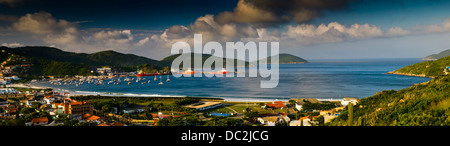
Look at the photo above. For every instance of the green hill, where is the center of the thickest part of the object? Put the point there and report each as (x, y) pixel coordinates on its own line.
(426, 104)
(438, 56)
(47, 61)
(421, 105)
(426, 68)
(170, 58)
(104, 58)
(286, 59)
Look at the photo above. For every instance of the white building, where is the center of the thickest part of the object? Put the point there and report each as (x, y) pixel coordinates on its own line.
(8, 90)
(104, 70)
(295, 123)
(345, 101)
(49, 100)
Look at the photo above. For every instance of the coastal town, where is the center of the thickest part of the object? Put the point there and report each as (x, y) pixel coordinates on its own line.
(31, 107)
(24, 105)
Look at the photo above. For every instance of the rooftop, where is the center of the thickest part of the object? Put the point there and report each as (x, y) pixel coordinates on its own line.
(38, 120)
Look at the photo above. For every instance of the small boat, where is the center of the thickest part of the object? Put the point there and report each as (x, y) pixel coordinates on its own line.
(149, 81)
(160, 79)
(168, 80)
(155, 79)
(129, 83)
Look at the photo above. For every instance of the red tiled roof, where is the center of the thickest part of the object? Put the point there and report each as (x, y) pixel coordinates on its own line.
(38, 120)
(88, 117)
(276, 105)
(103, 124)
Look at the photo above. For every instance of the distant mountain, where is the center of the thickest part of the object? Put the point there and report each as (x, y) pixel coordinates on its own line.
(286, 59)
(104, 58)
(438, 56)
(170, 58)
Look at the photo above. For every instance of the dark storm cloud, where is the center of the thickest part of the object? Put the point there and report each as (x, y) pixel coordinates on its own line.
(279, 11)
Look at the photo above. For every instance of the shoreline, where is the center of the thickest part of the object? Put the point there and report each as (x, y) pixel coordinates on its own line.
(408, 74)
(225, 99)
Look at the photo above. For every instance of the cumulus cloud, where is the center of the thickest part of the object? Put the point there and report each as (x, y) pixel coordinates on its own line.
(247, 13)
(43, 23)
(270, 12)
(303, 34)
(12, 45)
(397, 31)
(42, 26)
(210, 30)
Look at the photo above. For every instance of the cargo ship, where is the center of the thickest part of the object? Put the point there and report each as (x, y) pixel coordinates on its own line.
(141, 73)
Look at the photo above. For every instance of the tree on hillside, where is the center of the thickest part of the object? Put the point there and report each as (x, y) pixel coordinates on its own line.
(350, 114)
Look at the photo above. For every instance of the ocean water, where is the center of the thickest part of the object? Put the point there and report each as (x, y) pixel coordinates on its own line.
(322, 79)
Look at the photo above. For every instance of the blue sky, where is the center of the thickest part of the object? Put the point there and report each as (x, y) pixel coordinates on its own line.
(312, 29)
(389, 13)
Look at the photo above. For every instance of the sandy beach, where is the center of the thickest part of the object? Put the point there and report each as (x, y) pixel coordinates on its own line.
(25, 86)
(86, 93)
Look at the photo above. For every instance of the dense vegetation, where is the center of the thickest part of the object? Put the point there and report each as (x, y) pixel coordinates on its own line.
(427, 68)
(318, 106)
(420, 105)
(426, 104)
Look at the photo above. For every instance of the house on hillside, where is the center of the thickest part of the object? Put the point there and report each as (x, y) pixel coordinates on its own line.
(300, 101)
(276, 105)
(330, 114)
(346, 101)
(308, 120)
(273, 119)
(39, 121)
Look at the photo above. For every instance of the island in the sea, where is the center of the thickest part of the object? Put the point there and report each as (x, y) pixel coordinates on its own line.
(285, 59)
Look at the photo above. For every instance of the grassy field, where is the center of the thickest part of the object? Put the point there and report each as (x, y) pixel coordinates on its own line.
(240, 107)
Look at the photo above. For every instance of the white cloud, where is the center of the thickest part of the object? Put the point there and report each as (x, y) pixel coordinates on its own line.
(116, 34)
(12, 45)
(43, 27)
(43, 23)
(247, 13)
(397, 31)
